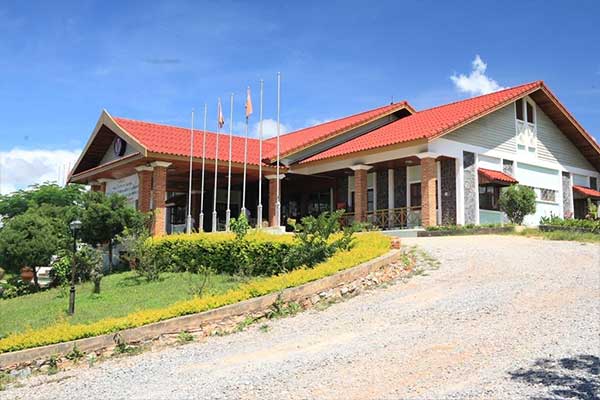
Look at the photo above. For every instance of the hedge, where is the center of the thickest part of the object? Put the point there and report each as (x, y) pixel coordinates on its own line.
(586, 225)
(258, 253)
(367, 246)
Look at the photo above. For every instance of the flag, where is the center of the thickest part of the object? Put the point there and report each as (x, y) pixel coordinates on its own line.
(248, 103)
(220, 118)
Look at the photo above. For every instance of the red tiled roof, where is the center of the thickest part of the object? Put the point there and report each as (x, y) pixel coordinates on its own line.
(496, 176)
(174, 140)
(586, 191)
(302, 138)
(429, 124)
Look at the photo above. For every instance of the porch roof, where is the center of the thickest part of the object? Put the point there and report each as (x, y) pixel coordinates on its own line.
(586, 191)
(491, 176)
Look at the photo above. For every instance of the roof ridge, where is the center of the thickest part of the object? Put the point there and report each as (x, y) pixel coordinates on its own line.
(402, 102)
(539, 82)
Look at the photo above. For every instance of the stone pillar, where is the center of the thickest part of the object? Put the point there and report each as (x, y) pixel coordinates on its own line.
(448, 189)
(273, 198)
(470, 187)
(567, 190)
(428, 191)
(159, 192)
(102, 182)
(360, 192)
(144, 188)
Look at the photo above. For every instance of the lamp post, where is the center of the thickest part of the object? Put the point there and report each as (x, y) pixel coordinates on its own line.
(75, 227)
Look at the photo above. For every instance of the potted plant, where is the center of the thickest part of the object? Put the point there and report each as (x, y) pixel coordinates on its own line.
(27, 274)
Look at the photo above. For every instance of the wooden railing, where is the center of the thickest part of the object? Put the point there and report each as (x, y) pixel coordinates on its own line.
(388, 218)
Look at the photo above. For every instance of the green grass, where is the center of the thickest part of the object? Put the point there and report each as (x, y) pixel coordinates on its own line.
(122, 294)
(560, 235)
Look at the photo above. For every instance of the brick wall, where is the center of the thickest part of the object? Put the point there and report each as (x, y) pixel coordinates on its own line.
(428, 178)
(159, 191)
(360, 195)
(145, 190)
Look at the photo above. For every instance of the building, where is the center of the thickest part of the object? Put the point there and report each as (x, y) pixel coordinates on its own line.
(392, 166)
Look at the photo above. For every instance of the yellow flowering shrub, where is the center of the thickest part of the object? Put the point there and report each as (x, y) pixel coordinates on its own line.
(367, 246)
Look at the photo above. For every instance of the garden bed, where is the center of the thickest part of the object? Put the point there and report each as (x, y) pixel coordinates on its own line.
(367, 247)
(465, 231)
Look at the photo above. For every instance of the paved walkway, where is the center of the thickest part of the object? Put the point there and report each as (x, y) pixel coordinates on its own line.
(504, 317)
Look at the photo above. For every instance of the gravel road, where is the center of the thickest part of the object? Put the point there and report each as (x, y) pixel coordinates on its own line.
(503, 317)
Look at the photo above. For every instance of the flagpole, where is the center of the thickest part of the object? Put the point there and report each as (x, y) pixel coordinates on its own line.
(214, 213)
(201, 218)
(228, 212)
(243, 210)
(189, 215)
(278, 201)
(260, 135)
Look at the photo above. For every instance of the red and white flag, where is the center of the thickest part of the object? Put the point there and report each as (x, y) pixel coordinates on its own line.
(220, 118)
(248, 103)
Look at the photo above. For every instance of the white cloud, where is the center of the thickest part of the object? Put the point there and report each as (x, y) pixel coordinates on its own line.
(20, 168)
(269, 128)
(477, 82)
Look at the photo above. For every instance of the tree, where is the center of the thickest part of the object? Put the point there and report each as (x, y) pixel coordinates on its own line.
(31, 239)
(517, 201)
(104, 217)
(50, 194)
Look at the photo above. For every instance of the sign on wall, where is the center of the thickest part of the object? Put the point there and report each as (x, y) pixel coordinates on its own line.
(128, 187)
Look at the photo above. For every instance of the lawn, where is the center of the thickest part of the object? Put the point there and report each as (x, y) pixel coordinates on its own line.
(122, 294)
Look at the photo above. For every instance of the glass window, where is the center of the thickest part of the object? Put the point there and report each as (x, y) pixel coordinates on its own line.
(488, 197)
(519, 109)
(370, 200)
(529, 113)
(415, 194)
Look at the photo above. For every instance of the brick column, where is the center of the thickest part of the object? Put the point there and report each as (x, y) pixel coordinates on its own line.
(95, 186)
(273, 198)
(159, 191)
(144, 188)
(102, 182)
(360, 192)
(428, 179)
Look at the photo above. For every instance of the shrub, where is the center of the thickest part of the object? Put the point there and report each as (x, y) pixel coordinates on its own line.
(315, 240)
(258, 253)
(517, 201)
(142, 255)
(239, 226)
(367, 246)
(588, 225)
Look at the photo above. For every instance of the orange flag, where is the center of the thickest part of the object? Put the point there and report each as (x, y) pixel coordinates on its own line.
(248, 103)
(220, 118)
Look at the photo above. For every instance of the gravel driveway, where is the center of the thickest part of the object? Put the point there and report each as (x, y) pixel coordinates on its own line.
(503, 317)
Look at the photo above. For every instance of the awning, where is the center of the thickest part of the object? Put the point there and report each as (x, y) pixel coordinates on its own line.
(586, 191)
(489, 176)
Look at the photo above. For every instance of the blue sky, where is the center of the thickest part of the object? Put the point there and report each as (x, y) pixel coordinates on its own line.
(61, 63)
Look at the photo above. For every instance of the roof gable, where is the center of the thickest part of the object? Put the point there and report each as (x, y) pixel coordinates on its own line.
(173, 140)
(438, 121)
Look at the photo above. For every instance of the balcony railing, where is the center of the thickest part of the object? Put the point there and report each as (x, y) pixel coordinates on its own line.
(388, 218)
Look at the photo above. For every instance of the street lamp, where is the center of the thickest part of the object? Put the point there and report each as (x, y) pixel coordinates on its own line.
(75, 227)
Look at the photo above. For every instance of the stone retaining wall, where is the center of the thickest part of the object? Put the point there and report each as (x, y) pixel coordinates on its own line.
(202, 320)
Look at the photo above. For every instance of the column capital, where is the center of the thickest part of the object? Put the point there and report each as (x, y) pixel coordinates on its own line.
(144, 168)
(160, 164)
(274, 177)
(427, 154)
(361, 167)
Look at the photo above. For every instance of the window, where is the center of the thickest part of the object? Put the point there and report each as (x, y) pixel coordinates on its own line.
(529, 112)
(370, 199)
(488, 197)
(415, 194)
(519, 110)
(547, 195)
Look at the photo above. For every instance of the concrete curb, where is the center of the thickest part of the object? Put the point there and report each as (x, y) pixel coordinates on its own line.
(195, 321)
